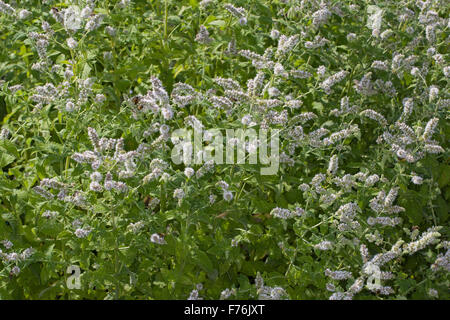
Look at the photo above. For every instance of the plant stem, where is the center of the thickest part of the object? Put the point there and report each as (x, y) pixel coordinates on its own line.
(116, 251)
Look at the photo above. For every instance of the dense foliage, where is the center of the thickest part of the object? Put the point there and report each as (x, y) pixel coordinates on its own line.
(90, 92)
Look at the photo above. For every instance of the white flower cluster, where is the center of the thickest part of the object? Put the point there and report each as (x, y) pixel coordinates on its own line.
(136, 227)
(82, 232)
(203, 36)
(442, 262)
(385, 203)
(225, 294)
(332, 80)
(14, 258)
(428, 237)
(289, 82)
(338, 275)
(157, 167)
(238, 12)
(346, 214)
(6, 8)
(158, 239)
(324, 245)
(4, 134)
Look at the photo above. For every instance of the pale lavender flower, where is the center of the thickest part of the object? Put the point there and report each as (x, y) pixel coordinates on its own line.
(82, 233)
(156, 238)
(23, 14)
(178, 194)
(227, 195)
(203, 36)
(71, 43)
(416, 179)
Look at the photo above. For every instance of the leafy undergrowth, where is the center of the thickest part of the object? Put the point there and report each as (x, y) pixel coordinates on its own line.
(92, 91)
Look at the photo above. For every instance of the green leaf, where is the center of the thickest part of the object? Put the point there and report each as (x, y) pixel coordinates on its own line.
(444, 178)
(318, 106)
(219, 23)
(5, 159)
(123, 84)
(9, 147)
